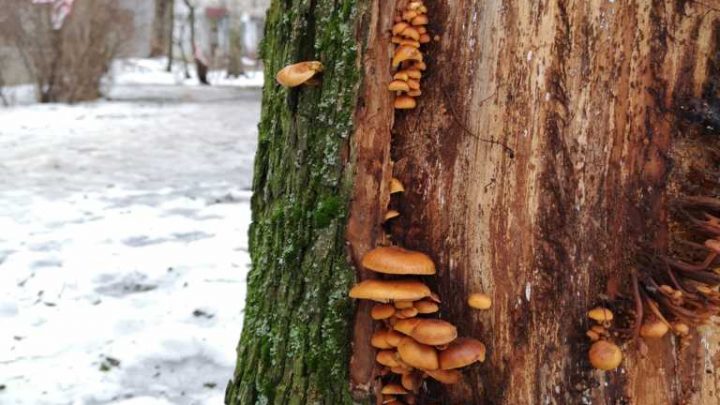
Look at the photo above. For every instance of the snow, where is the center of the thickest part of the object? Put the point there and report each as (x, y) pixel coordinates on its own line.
(123, 244)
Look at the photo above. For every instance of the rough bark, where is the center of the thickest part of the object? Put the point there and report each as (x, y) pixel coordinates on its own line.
(540, 160)
(295, 345)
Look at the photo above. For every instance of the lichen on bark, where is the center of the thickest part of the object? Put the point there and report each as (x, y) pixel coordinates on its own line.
(294, 347)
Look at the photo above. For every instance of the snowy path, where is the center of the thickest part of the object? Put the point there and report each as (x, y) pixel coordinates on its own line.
(123, 246)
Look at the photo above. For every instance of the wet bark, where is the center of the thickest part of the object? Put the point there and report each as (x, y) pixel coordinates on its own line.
(540, 161)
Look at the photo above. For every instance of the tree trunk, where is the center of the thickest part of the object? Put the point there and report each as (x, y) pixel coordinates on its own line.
(547, 148)
(161, 28)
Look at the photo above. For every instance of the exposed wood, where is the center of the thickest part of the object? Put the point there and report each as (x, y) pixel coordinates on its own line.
(579, 90)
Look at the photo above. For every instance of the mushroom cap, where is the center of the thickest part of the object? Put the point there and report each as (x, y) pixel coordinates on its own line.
(462, 352)
(426, 307)
(403, 53)
(387, 358)
(298, 73)
(680, 328)
(414, 93)
(387, 290)
(411, 381)
(385, 339)
(419, 65)
(395, 185)
(399, 27)
(604, 355)
(445, 376)
(396, 260)
(479, 301)
(408, 15)
(404, 103)
(410, 32)
(653, 329)
(403, 304)
(418, 355)
(409, 42)
(407, 313)
(412, 73)
(391, 214)
(600, 314)
(398, 85)
(401, 75)
(382, 311)
(419, 20)
(424, 38)
(433, 332)
(414, 84)
(393, 389)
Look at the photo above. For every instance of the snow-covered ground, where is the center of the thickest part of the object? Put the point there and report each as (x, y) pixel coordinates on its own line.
(123, 245)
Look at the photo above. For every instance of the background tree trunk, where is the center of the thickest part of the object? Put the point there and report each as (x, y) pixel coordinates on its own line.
(541, 158)
(162, 28)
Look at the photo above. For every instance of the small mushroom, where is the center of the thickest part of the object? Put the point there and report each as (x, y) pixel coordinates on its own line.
(419, 20)
(398, 85)
(401, 75)
(379, 339)
(410, 32)
(414, 93)
(600, 314)
(654, 329)
(427, 331)
(419, 65)
(426, 307)
(413, 73)
(396, 260)
(404, 53)
(479, 301)
(411, 381)
(403, 304)
(409, 42)
(400, 27)
(382, 311)
(445, 376)
(409, 15)
(387, 358)
(604, 355)
(298, 73)
(389, 290)
(391, 214)
(396, 186)
(592, 335)
(404, 103)
(424, 38)
(681, 329)
(413, 84)
(406, 313)
(393, 389)
(462, 352)
(418, 355)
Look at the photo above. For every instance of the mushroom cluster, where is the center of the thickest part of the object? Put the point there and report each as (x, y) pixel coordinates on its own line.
(411, 344)
(408, 33)
(603, 354)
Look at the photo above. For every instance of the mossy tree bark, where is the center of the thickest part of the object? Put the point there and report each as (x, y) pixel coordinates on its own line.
(541, 158)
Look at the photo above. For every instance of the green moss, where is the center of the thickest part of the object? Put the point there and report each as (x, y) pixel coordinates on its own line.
(294, 347)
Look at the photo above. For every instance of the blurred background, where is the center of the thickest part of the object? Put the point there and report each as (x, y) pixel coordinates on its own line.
(127, 137)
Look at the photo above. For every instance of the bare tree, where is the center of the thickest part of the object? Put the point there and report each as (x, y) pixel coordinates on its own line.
(200, 64)
(67, 63)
